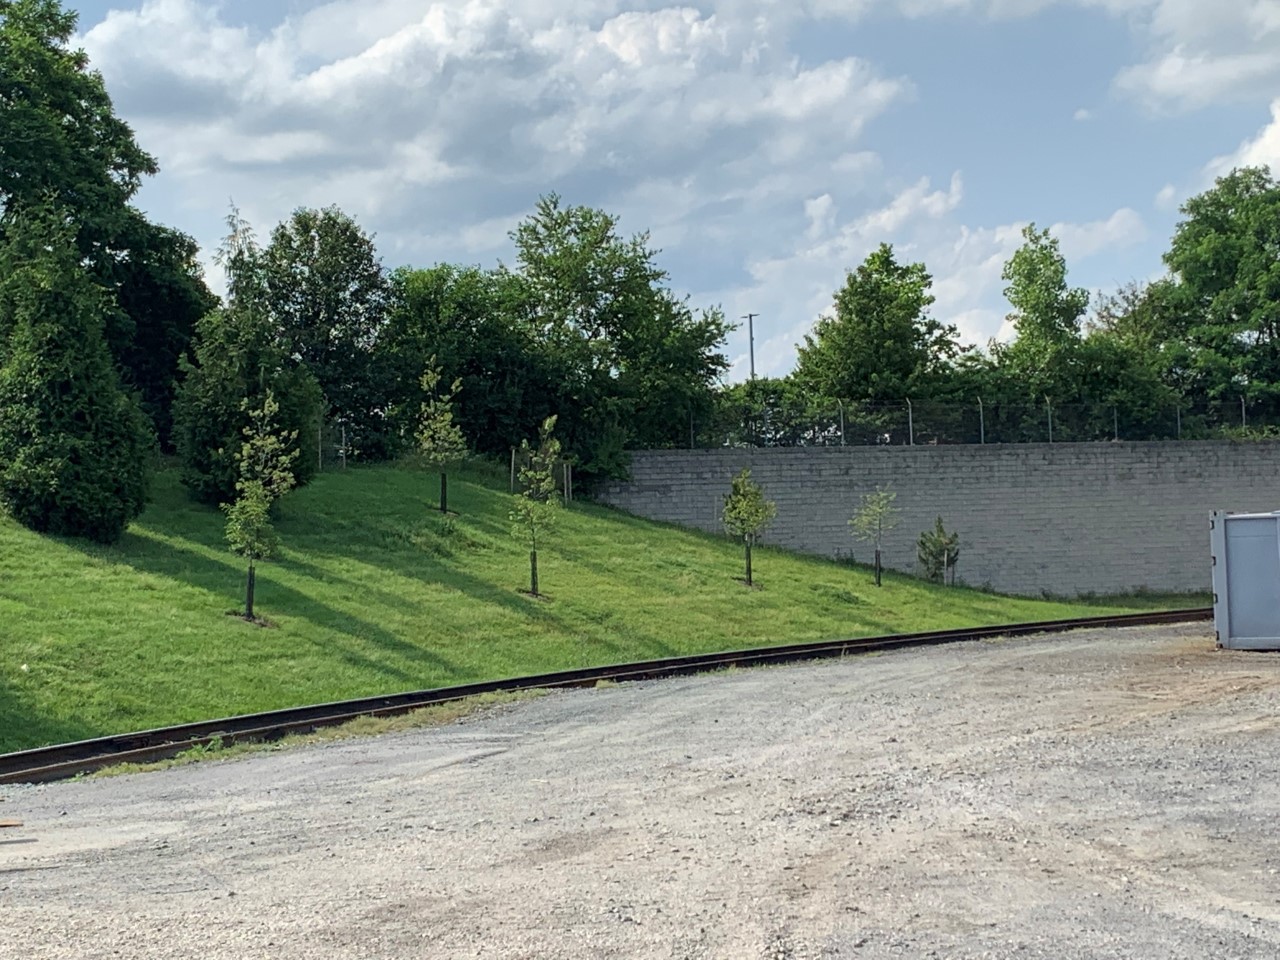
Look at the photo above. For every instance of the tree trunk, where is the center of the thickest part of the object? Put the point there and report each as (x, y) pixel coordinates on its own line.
(248, 592)
(444, 492)
(533, 572)
(877, 566)
(748, 542)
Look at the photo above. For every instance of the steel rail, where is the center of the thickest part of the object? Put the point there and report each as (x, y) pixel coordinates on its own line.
(60, 761)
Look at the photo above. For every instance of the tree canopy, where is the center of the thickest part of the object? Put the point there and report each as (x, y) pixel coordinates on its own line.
(106, 322)
(880, 344)
(629, 360)
(238, 361)
(1225, 266)
(61, 144)
(328, 298)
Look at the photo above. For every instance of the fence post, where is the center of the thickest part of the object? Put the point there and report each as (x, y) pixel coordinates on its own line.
(320, 446)
(344, 446)
(513, 469)
(1244, 423)
(1049, 407)
(1178, 411)
(911, 423)
(1115, 421)
(841, 404)
(691, 442)
(982, 423)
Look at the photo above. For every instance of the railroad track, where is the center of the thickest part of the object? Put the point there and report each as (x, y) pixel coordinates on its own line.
(69, 759)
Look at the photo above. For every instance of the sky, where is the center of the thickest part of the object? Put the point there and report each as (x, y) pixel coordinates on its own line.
(767, 146)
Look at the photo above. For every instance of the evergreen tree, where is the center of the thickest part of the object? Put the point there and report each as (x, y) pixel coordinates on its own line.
(237, 361)
(75, 448)
(938, 553)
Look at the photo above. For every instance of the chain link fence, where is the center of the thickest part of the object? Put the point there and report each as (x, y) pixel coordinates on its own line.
(931, 422)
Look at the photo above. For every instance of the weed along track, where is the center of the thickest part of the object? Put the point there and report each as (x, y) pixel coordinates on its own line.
(67, 760)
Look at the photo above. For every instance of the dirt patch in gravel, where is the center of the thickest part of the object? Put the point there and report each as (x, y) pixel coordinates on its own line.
(1100, 794)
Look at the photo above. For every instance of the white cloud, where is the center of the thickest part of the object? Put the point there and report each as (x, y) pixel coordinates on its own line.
(1262, 150)
(1082, 115)
(1167, 198)
(821, 212)
(437, 124)
(1201, 53)
(1122, 229)
(1197, 52)
(916, 201)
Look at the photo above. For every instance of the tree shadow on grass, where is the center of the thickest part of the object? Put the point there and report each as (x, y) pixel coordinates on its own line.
(379, 542)
(370, 530)
(449, 578)
(23, 726)
(304, 568)
(163, 558)
(583, 629)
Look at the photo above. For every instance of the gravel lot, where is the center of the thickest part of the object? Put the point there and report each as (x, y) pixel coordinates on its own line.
(1101, 794)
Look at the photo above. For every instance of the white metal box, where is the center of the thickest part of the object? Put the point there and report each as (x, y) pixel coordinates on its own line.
(1245, 551)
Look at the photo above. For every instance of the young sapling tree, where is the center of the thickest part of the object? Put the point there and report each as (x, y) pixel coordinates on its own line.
(439, 442)
(266, 474)
(938, 553)
(747, 513)
(533, 513)
(876, 515)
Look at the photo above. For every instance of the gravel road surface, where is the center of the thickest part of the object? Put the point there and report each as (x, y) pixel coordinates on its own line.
(1099, 794)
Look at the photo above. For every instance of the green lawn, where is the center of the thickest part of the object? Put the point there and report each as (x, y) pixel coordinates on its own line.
(371, 595)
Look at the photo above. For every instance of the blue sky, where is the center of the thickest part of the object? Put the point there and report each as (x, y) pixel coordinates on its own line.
(768, 146)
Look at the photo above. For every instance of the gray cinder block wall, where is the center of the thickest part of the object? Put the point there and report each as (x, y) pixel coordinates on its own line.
(1033, 518)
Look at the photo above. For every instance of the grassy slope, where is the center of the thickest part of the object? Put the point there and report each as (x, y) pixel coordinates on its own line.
(371, 596)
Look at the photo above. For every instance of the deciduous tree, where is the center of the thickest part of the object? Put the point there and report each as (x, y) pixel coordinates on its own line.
(876, 515)
(62, 144)
(439, 442)
(746, 514)
(1047, 316)
(472, 322)
(328, 298)
(267, 459)
(880, 344)
(1225, 260)
(629, 360)
(534, 511)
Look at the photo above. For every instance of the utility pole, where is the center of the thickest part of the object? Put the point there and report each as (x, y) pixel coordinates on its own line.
(751, 340)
